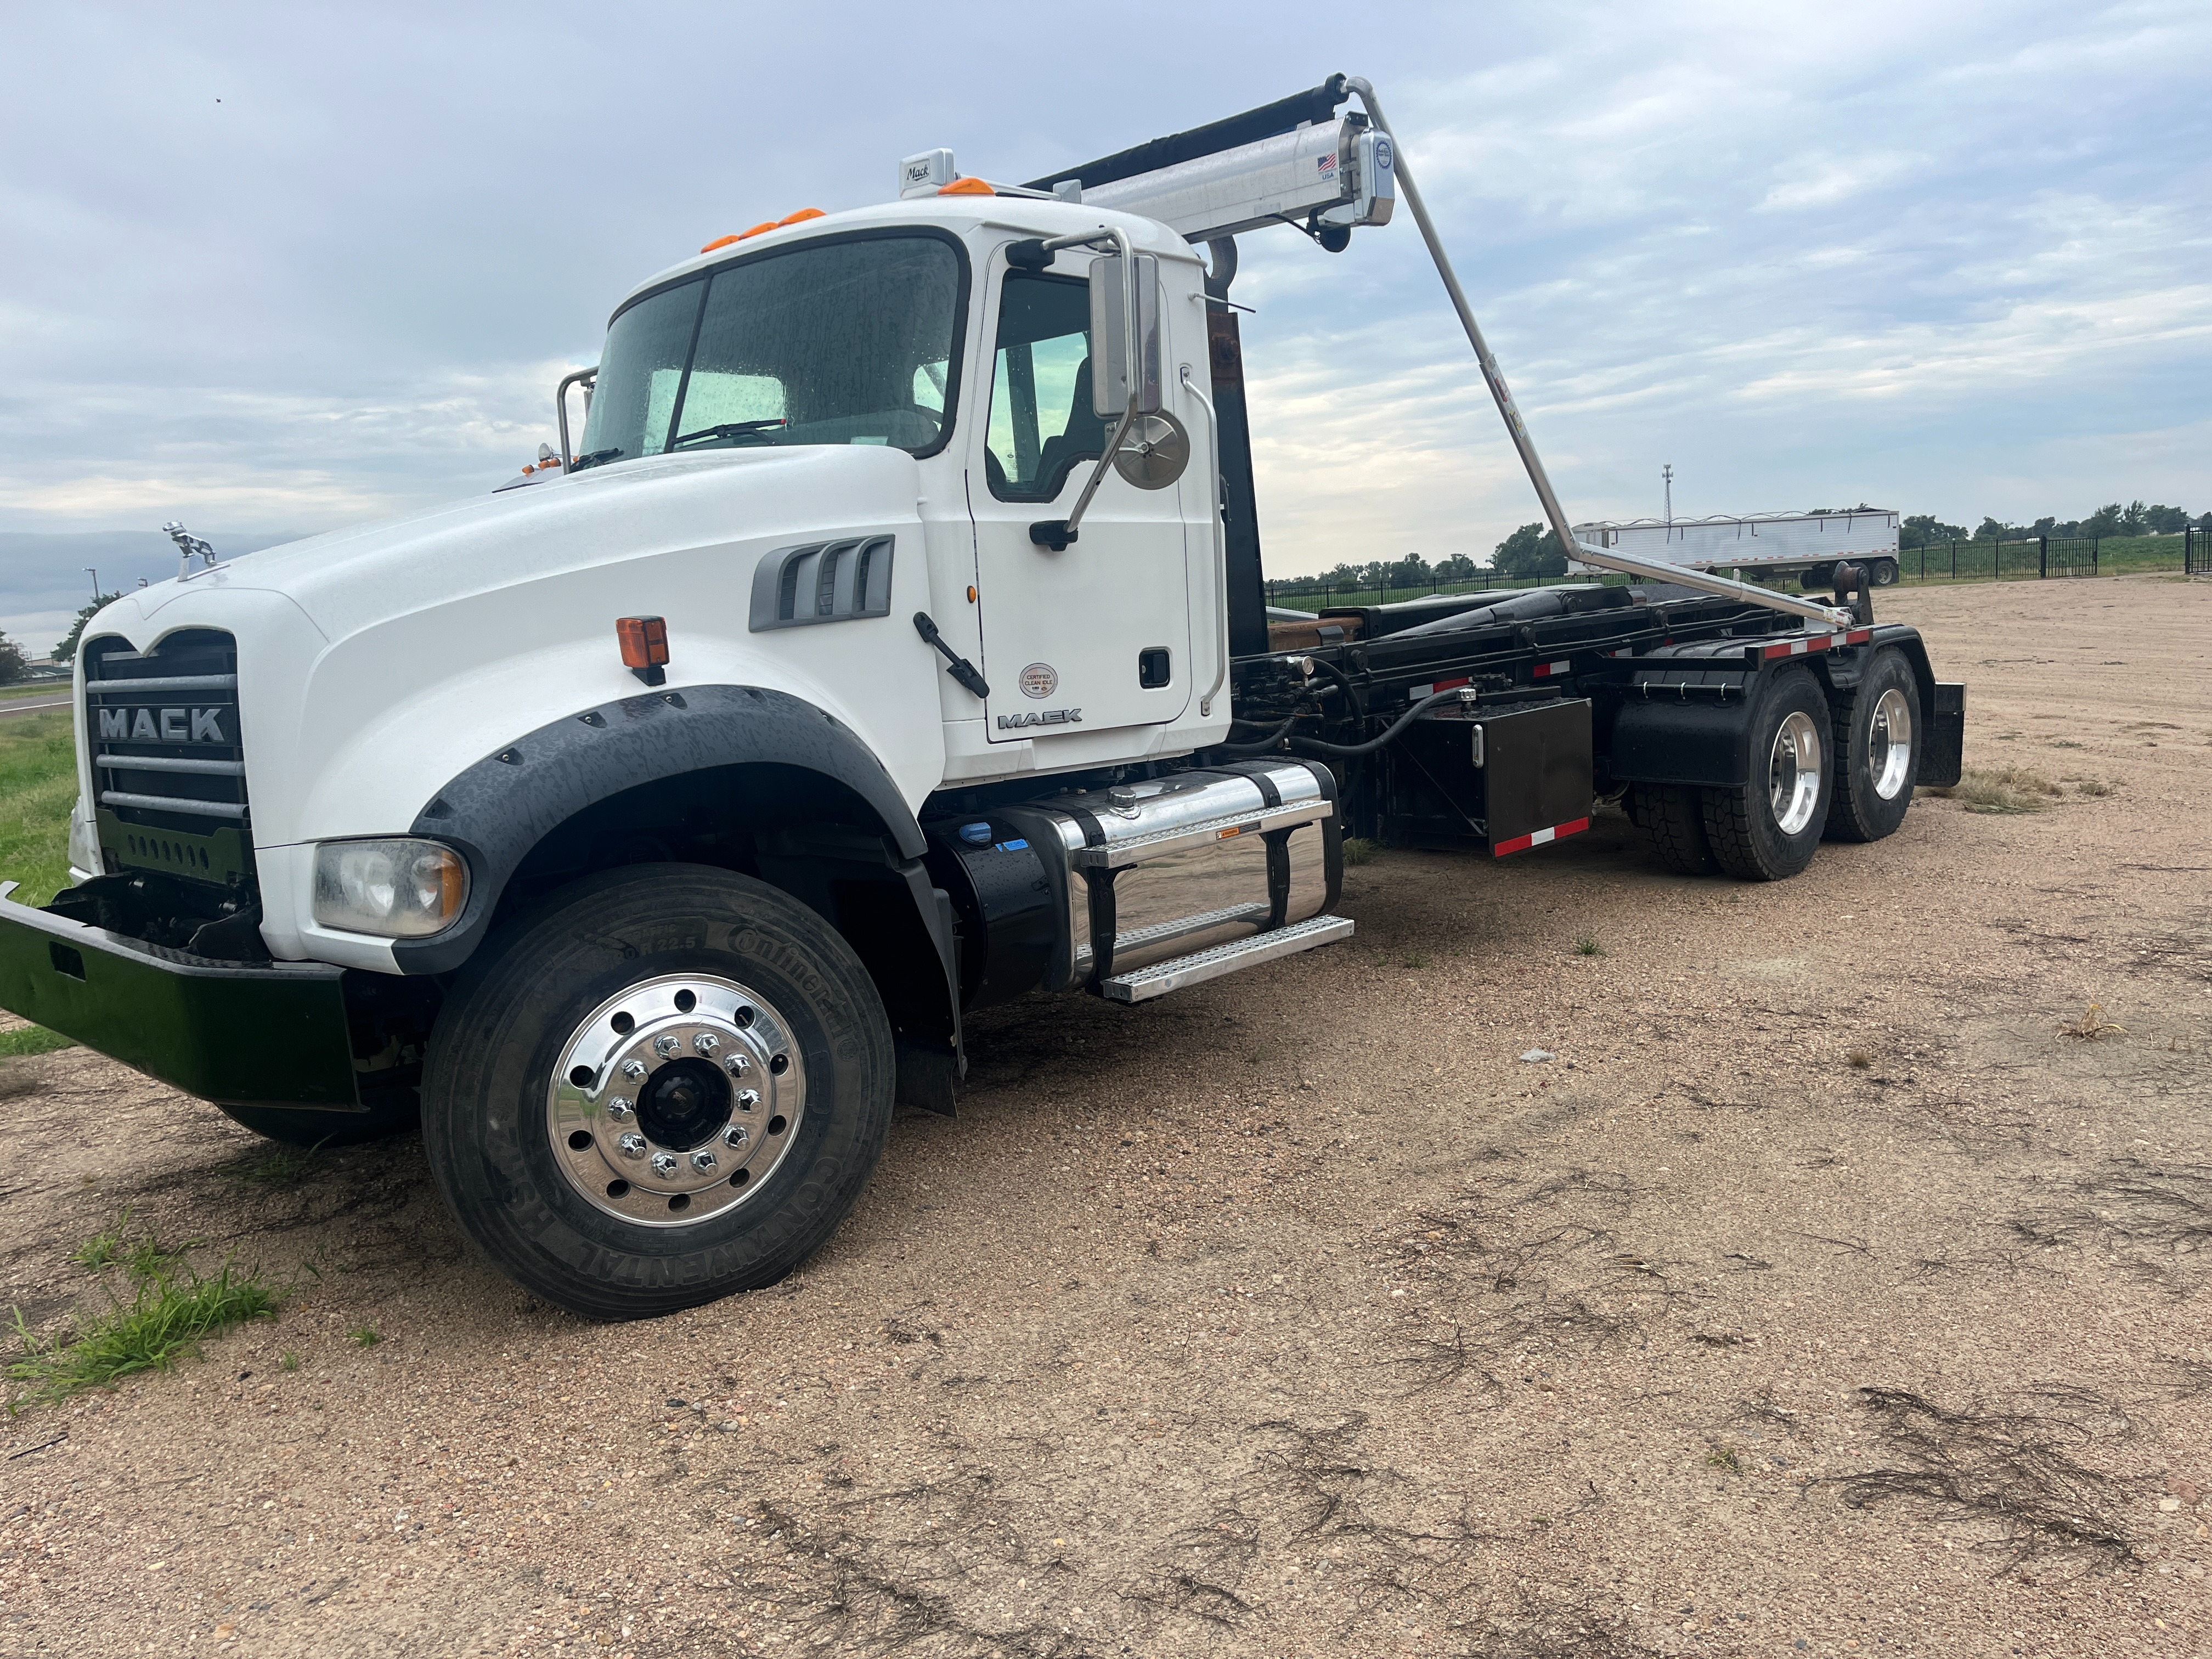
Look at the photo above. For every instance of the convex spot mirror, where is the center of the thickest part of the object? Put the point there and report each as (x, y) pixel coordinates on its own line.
(1109, 373)
(1154, 453)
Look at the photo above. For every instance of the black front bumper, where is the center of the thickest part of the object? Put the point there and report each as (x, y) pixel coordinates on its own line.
(266, 1035)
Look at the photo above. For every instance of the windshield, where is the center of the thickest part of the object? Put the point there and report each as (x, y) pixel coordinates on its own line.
(846, 342)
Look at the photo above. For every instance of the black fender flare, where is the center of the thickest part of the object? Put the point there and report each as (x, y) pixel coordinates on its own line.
(504, 804)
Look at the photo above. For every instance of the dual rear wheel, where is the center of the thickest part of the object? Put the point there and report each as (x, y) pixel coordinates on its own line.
(1844, 772)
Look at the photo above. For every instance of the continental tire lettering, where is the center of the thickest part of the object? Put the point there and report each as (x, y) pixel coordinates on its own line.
(748, 941)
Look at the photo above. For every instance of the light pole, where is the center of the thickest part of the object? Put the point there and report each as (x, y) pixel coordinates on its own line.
(1666, 475)
(93, 571)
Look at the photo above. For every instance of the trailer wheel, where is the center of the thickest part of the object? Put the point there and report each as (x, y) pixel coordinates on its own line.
(1769, 829)
(1673, 817)
(1817, 576)
(1876, 752)
(664, 1085)
(309, 1128)
(1882, 572)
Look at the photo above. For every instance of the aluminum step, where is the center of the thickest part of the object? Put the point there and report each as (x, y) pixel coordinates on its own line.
(1163, 977)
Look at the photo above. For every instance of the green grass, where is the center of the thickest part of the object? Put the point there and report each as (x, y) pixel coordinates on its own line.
(41, 689)
(32, 1040)
(367, 1336)
(1357, 850)
(1589, 947)
(38, 786)
(170, 1313)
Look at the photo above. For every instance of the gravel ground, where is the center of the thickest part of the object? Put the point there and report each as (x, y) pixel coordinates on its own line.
(1821, 1296)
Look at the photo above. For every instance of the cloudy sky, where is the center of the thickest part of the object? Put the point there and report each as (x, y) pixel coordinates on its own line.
(272, 269)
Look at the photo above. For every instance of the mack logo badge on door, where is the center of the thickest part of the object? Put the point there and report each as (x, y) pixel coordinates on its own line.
(1042, 717)
(1040, 679)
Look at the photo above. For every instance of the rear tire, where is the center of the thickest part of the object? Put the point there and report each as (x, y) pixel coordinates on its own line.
(1769, 829)
(641, 1021)
(1877, 752)
(314, 1128)
(1882, 572)
(1673, 817)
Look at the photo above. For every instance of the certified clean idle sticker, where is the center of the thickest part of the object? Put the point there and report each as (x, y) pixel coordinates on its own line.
(1040, 679)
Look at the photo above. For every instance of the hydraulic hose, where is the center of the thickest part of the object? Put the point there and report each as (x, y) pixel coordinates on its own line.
(1353, 750)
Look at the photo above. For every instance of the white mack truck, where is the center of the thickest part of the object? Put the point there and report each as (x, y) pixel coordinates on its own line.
(890, 643)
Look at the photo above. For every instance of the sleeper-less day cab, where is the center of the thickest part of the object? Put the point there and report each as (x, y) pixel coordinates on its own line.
(889, 642)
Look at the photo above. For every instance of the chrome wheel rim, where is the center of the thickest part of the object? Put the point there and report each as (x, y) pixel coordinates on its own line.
(675, 1100)
(1889, 744)
(1793, 775)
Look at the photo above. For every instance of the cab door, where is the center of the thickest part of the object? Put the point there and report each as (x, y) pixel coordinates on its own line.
(1098, 635)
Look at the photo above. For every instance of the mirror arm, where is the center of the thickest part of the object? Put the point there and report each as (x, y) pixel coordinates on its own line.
(1057, 533)
(588, 376)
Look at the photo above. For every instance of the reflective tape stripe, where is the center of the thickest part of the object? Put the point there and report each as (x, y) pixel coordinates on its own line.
(1538, 838)
(1544, 671)
(1420, 691)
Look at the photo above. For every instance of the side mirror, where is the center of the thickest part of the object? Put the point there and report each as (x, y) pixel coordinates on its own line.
(1112, 290)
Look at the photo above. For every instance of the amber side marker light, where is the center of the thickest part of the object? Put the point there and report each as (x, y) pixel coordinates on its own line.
(644, 642)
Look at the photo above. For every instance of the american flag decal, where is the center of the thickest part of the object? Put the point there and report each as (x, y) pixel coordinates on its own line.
(1326, 164)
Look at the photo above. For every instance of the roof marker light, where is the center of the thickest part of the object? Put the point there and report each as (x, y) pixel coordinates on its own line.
(644, 643)
(970, 186)
(760, 230)
(803, 214)
(720, 241)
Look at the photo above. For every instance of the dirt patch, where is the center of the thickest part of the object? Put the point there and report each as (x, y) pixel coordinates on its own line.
(1820, 1289)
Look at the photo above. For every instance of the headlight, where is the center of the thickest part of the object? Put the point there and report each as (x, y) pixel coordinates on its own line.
(394, 889)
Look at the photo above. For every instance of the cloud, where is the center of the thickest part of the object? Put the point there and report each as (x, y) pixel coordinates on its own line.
(1802, 253)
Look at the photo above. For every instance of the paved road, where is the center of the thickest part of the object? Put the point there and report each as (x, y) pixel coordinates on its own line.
(30, 704)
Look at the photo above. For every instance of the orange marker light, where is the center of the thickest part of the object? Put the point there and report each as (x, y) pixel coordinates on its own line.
(970, 186)
(803, 214)
(761, 228)
(720, 241)
(644, 643)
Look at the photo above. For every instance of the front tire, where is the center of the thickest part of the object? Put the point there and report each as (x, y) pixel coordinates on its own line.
(1877, 752)
(1769, 829)
(666, 1085)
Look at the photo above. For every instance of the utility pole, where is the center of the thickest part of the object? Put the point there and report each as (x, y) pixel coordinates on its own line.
(1667, 475)
(94, 570)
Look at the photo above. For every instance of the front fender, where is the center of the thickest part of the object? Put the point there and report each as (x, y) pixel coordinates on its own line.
(502, 806)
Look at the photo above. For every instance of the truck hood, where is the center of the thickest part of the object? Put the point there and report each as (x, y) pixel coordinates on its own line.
(352, 579)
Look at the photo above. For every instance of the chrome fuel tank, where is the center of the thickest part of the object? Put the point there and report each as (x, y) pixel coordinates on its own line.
(1166, 868)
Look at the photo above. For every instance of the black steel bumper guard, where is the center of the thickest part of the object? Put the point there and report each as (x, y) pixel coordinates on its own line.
(269, 1034)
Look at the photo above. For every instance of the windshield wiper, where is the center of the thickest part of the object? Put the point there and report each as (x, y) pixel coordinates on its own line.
(594, 458)
(727, 430)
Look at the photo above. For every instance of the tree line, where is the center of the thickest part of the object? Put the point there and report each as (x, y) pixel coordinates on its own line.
(1533, 551)
(1925, 530)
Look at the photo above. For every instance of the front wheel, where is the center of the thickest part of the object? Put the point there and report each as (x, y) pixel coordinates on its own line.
(664, 1085)
(1770, 828)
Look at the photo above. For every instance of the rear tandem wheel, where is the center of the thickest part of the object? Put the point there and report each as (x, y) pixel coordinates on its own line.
(1768, 829)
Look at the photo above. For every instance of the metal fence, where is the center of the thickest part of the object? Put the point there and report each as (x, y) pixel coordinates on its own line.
(2034, 555)
(2196, 552)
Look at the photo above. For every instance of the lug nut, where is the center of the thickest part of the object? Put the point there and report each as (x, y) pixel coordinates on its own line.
(665, 1043)
(664, 1164)
(736, 1065)
(633, 1069)
(706, 1043)
(619, 1109)
(747, 1099)
(703, 1162)
(735, 1136)
(631, 1145)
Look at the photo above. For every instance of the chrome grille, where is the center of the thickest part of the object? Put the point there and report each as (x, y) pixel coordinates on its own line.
(163, 729)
